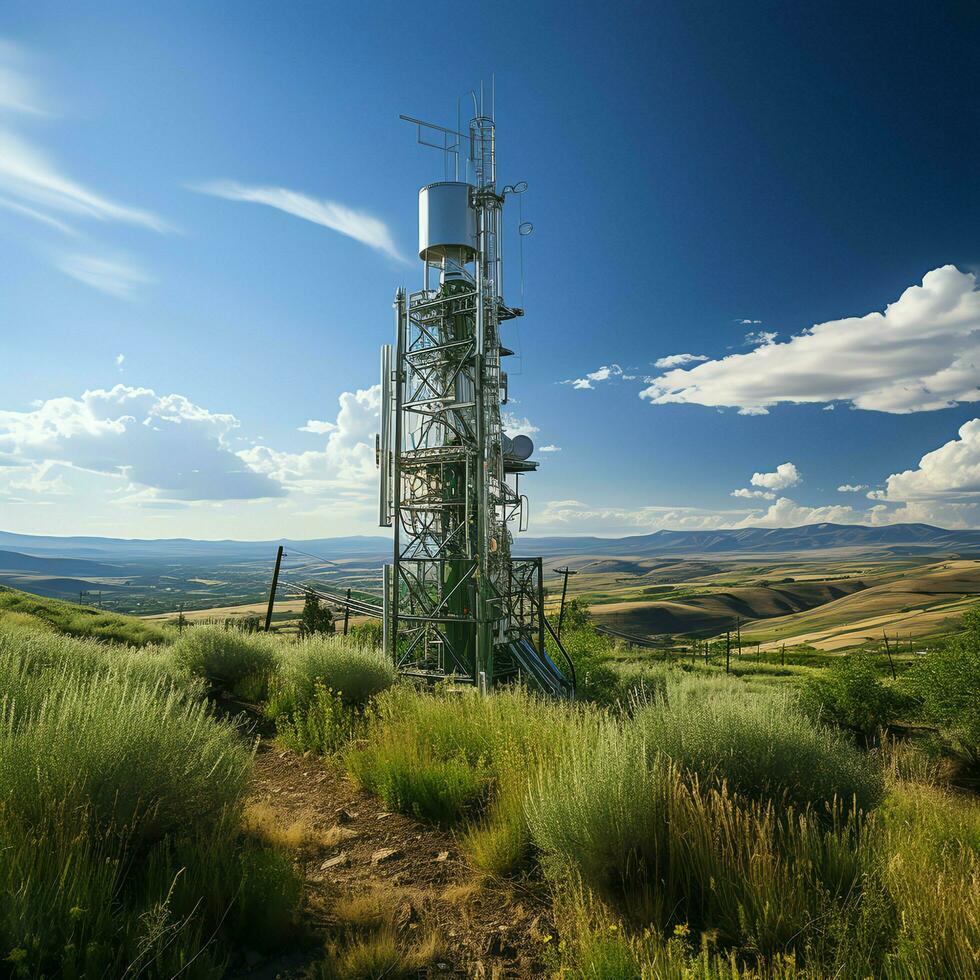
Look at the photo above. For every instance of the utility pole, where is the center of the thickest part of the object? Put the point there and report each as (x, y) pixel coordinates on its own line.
(888, 650)
(728, 651)
(272, 591)
(782, 656)
(347, 613)
(738, 635)
(566, 571)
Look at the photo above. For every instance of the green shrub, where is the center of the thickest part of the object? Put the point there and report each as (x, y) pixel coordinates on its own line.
(357, 673)
(120, 811)
(326, 724)
(946, 683)
(139, 760)
(416, 782)
(227, 657)
(666, 851)
(760, 744)
(852, 694)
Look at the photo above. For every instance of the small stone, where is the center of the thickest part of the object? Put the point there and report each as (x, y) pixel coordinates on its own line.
(385, 854)
(442, 856)
(340, 861)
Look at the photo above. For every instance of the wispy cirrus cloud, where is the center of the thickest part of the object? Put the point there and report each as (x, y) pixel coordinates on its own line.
(359, 225)
(33, 186)
(28, 175)
(114, 276)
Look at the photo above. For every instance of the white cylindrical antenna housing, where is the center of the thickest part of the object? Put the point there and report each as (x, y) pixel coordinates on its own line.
(447, 223)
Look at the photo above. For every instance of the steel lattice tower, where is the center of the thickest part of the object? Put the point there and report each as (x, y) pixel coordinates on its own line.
(457, 603)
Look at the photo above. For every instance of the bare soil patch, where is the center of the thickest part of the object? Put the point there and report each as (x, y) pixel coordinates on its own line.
(354, 854)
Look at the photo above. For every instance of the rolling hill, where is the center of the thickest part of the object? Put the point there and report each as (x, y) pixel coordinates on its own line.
(708, 615)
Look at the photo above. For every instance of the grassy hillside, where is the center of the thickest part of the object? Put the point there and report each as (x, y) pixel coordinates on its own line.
(76, 620)
(707, 615)
(924, 605)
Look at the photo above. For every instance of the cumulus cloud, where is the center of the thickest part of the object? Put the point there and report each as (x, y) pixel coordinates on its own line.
(317, 427)
(747, 493)
(759, 338)
(550, 449)
(165, 443)
(949, 473)
(359, 225)
(785, 475)
(603, 373)
(347, 460)
(678, 360)
(515, 426)
(921, 354)
(742, 321)
(852, 487)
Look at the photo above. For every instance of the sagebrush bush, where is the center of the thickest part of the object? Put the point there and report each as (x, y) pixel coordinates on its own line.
(120, 811)
(663, 849)
(760, 744)
(227, 656)
(355, 672)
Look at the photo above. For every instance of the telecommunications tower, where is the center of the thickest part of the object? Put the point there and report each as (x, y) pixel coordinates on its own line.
(457, 604)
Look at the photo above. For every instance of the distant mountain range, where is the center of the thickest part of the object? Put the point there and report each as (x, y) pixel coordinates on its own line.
(891, 540)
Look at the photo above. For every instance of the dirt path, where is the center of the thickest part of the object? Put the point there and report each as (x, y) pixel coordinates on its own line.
(349, 848)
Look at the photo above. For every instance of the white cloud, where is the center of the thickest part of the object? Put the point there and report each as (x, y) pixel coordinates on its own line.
(762, 494)
(852, 487)
(18, 91)
(949, 473)
(515, 426)
(787, 513)
(359, 225)
(745, 322)
(162, 443)
(921, 354)
(785, 475)
(26, 175)
(550, 449)
(113, 276)
(759, 338)
(317, 427)
(603, 373)
(755, 410)
(347, 460)
(678, 360)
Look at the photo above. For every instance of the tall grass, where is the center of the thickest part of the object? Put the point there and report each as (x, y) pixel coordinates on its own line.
(121, 850)
(239, 661)
(760, 745)
(354, 671)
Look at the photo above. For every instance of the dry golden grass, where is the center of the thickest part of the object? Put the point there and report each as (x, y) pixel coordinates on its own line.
(263, 821)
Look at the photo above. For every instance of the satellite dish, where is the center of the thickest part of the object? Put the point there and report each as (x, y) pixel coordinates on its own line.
(526, 228)
(521, 447)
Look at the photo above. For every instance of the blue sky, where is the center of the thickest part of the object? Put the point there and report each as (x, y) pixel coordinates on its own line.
(205, 211)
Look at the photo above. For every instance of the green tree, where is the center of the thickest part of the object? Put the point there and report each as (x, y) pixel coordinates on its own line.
(315, 618)
(946, 683)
